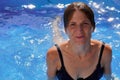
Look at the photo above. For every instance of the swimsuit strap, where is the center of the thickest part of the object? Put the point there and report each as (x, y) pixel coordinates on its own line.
(101, 51)
(60, 55)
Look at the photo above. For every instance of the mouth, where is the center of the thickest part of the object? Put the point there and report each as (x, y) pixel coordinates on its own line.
(79, 37)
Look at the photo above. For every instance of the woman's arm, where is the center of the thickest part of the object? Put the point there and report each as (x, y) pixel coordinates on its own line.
(51, 60)
(107, 63)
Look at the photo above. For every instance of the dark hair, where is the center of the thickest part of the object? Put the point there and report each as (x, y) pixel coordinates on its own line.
(81, 7)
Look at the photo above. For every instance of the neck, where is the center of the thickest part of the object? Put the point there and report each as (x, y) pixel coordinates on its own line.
(80, 50)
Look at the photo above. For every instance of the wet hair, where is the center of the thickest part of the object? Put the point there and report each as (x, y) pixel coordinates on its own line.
(69, 11)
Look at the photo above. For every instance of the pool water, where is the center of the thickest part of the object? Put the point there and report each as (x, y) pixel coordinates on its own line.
(26, 33)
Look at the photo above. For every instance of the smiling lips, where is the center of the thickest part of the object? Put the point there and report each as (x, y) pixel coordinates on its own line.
(79, 37)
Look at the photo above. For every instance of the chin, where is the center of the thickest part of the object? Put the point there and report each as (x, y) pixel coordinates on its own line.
(80, 42)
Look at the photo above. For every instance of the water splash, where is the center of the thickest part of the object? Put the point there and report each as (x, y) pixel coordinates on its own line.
(57, 37)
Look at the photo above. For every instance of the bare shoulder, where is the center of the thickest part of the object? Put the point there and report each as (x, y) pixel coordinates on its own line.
(107, 53)
(96, 42)
(107, 49)
(99, 43)
(107, 56)
(52, 53)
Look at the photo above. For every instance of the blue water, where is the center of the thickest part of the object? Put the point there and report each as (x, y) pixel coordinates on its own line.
(26, 34)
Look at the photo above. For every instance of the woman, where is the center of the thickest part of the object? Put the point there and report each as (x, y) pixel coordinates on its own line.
(79, 58)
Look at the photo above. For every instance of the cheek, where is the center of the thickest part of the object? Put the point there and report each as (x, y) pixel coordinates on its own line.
(69, 33)
(89, 33)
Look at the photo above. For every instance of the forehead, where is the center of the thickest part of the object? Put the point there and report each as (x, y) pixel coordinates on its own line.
(78, 16)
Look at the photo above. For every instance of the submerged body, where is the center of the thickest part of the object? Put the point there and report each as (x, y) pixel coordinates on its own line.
(62, 74)
(82, 58)
(76, 67)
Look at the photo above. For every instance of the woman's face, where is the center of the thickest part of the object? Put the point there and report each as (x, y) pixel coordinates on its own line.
(79, 28)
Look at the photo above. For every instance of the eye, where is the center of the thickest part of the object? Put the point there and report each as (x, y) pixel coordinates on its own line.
(72, 24)
(86, 23)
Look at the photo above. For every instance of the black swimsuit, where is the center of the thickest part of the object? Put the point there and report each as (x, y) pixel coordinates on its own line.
(63, 75)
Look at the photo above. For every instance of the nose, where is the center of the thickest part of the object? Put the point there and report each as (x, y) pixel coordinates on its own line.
(80, 27)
